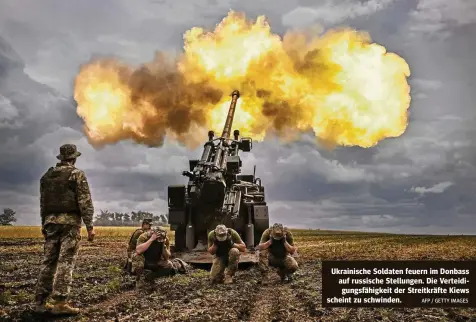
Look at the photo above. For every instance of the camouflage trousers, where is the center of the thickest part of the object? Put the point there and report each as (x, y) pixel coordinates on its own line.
(60, 253)
(225, 266)
(146, 276)
(286, 265)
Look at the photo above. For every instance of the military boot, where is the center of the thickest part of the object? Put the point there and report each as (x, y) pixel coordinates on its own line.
(40, 304)
(63, 308)
(228, 279)
(287, 278)
(282, 275)
(217, 280)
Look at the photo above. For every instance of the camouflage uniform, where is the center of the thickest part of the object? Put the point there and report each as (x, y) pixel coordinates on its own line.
(65, 200)
(133, 243)
(276, 255)
(154, 262)
(226, 258)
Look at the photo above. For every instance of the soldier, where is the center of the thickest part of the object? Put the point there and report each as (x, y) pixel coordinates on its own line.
(225, 244)
(276, 247)
(146, 224)
(65, 199)
(151, 258)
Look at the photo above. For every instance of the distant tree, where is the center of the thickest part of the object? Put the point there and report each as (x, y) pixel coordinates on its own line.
(105, 215)
(7, 217)
(97, 220)
(127, 218)
(142, 215)
(118, 217)
(134, 216)
(104, 218)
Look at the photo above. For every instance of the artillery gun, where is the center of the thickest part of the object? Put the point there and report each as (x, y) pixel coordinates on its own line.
(217, 193)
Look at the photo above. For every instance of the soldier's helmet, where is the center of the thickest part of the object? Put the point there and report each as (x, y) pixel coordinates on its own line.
(160, 232)
(68, 152)
(277, 231)
(221, 232)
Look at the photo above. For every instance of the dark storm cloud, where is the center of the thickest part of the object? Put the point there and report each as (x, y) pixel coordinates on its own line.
(419, 182)
(133, 185)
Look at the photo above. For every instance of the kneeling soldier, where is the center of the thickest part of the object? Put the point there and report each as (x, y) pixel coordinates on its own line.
(146, 224)
(225, 244)
(151, 258)
(276, 247)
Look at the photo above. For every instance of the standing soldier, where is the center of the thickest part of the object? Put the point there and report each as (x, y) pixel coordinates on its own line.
(146, 224)
(151, 258)
(276, 247)
(225, 244)
(65, 199)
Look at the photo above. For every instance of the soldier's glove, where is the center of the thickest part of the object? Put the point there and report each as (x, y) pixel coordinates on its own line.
(43, 231)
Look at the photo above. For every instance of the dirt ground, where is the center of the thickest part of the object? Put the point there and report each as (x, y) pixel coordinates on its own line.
(104, 293)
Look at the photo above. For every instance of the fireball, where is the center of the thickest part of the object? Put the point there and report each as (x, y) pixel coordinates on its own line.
(338, 85)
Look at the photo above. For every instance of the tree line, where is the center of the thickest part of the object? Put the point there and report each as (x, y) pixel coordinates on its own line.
(107, 218)
(104, 218)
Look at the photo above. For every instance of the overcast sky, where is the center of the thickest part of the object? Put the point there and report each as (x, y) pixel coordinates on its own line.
(421, 182)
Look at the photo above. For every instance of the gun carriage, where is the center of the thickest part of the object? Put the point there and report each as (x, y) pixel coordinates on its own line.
(217, 193)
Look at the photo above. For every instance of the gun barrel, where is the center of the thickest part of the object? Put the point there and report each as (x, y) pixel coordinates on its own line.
(231, 113)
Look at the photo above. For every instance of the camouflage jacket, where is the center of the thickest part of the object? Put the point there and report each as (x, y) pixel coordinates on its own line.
(145, 237)
(83, 196)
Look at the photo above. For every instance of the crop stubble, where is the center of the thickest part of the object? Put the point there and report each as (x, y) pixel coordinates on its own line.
(104, 293)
